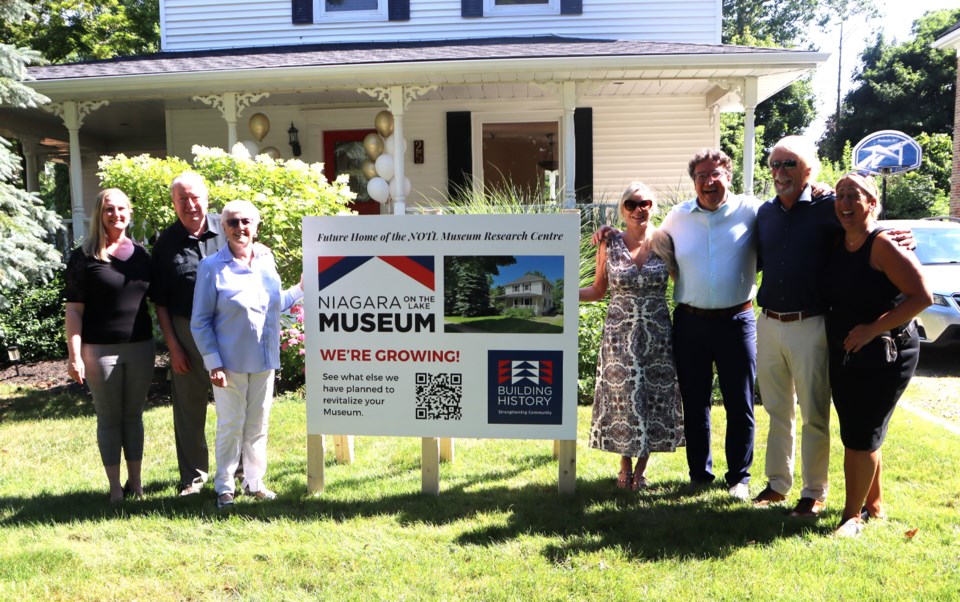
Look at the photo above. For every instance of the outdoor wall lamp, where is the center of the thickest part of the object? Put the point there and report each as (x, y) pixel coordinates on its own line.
(294, 140)
(13, 354)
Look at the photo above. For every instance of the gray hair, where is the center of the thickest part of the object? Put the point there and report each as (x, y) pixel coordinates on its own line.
(805, 149)
(239, 206)
(191, 177)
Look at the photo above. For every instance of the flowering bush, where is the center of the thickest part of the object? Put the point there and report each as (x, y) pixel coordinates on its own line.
(292, 351)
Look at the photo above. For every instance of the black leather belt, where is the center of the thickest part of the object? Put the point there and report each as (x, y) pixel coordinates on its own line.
(726, 312)
(791, 316)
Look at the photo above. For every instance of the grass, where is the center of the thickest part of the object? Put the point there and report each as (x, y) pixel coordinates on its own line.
(498, 530)
(540, 325)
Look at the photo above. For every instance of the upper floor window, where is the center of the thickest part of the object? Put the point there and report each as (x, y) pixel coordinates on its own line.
(351, 10)
(520, 7)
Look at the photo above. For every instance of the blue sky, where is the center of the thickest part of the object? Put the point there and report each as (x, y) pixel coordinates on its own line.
(550, 265)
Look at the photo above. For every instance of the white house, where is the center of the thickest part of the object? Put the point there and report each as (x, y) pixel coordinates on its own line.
(529, 292)
(589, 94)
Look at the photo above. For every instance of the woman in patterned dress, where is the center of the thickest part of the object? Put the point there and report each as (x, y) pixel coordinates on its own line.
(636, 407)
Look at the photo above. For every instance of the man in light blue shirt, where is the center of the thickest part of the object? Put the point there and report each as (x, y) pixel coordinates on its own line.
(714, 240)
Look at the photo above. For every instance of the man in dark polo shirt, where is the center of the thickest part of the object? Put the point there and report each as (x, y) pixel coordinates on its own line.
(796, 231)
(176, 255)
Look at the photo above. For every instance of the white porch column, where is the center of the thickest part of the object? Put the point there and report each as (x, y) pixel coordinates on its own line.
(29, 145)
(73, 113)
(231, 106)
(749, 133)
(397, 98)
(569, 144)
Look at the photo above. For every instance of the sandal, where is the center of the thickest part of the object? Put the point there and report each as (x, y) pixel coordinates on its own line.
(624, 479)
(639, 482)
(865, 515)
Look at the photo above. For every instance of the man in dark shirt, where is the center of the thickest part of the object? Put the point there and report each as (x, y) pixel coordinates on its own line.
(795, 233)
(176, 255)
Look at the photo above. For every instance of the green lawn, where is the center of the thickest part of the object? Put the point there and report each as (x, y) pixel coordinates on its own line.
(540, 325)
(497, 531)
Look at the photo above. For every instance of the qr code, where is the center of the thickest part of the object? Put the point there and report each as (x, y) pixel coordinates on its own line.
(439, 396)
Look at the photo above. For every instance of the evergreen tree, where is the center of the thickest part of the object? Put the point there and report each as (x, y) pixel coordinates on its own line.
(26, 225)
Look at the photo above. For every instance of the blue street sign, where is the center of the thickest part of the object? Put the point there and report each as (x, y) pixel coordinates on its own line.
(887, 152)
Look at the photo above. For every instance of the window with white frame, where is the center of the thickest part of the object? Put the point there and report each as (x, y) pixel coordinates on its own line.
(351, 10)
(520, 7)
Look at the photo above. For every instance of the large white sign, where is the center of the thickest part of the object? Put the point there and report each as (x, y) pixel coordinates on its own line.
(442, 325)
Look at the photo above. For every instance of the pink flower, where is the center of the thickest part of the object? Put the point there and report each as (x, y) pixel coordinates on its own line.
(297, 309)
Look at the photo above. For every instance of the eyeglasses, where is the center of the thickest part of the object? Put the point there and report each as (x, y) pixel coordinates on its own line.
(233, 222)
(716, 174)
(786, 164)
(631, 205)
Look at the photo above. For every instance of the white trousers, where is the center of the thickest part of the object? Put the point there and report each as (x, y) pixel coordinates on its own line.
(243, 410)
(792, 370)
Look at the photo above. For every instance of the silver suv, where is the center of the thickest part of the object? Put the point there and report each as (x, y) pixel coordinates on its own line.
(938, 249)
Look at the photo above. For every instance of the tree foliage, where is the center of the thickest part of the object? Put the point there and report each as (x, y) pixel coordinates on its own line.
(283, 191)
(75, 30)
(26, 225)
(908, 87)
(467, 283)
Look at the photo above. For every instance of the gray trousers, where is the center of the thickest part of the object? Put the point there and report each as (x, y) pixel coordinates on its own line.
(119, 376)
(190, 394)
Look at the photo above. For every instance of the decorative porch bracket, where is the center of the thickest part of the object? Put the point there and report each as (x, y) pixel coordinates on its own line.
(73, 113)
(231, 106)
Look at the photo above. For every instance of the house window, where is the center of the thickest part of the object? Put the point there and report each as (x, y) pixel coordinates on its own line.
(520, 7)
(351, 10)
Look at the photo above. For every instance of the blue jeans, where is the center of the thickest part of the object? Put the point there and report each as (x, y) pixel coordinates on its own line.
(730, 343)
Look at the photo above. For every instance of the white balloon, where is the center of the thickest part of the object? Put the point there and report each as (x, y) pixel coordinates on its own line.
(378, 189)
(384, 166)
(407, 186)
(248, 147)
(389, 145)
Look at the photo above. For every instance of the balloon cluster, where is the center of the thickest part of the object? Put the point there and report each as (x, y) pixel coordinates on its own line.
(379, 167)
(259, 126)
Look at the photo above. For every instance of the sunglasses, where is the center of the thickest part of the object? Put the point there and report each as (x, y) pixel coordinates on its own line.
(786, 164)
(631, 205)
(233, 222)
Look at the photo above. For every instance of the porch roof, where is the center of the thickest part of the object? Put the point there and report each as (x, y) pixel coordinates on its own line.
(528, 59)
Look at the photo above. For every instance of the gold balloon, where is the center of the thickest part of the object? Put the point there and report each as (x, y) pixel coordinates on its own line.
(259, 126)
(384, 123)
(369, 169)
(373, 145)
(271, 151)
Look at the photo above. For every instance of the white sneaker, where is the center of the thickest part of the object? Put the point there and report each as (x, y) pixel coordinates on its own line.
(852, 528)
(740, 491)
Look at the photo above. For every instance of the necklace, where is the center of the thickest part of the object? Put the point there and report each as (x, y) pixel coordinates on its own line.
(852, 243)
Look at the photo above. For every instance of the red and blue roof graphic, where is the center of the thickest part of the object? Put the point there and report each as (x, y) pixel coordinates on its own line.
(534, 372)
(418, 267)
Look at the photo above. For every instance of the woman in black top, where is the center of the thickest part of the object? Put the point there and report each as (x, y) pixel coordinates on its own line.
(110, 336)
(874, 289)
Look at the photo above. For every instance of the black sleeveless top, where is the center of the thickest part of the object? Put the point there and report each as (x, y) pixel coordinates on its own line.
(855, 292)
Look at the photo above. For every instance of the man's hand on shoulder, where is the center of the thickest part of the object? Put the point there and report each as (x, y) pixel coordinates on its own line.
(904, 238)
(820, 189)
(602, 233)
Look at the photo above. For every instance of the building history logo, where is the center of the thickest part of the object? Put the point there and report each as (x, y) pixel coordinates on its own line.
(522, 388)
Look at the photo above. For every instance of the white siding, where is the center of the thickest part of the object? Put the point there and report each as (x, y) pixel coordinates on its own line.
(649, 138)
(206, 24)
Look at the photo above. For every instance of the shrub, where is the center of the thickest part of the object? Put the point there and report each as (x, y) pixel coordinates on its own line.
(284, 191)
(34, 320)
(292, 350)
(592, 317)
(522, 313)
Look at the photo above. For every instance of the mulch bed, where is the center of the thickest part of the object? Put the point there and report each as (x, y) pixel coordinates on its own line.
(52, 375)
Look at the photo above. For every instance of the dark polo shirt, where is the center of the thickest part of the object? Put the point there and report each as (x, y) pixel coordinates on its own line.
(175, 258)
(794, 247)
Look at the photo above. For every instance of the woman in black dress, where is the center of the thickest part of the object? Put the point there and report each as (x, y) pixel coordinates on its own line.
(874, 289)
(110, 336)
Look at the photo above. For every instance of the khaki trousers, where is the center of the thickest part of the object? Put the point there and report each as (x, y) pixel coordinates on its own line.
(792, 370)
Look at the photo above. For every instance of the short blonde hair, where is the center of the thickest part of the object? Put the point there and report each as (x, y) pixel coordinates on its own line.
(637, 187)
